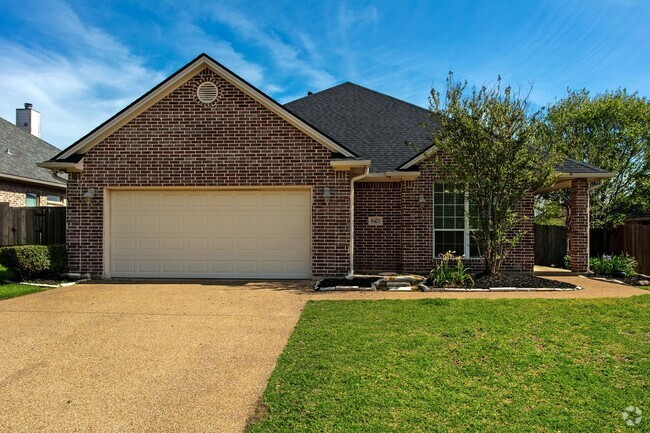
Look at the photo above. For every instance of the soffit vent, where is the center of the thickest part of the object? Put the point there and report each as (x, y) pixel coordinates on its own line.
(207, 92)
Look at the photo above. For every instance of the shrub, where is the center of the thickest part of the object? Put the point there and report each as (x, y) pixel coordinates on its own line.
(29, 261)
(608, 265)
(446, 274)
(567, 262)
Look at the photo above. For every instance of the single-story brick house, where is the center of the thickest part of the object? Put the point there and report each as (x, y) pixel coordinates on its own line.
(205, 176)
(22, 181)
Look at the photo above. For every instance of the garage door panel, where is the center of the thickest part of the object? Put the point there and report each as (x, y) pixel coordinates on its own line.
(197, 266)
(172, 266)
(210, 234)
(149, 244)
(124, 266)
(148, 223)
(147, 266)
(125, 222)
(196, 244)
(195, 224)
(171, 200)
(124, 244)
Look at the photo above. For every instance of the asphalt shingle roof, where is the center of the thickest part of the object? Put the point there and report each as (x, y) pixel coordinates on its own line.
(371, 124)
(375, 126)
(21, 151)
(573, 166)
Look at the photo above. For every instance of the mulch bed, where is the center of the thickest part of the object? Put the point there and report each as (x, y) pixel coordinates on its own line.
(631, 281)
(523, 281)
(356, 281)
(514, 280)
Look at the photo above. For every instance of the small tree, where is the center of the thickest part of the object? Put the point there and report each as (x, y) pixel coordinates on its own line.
(488, 140)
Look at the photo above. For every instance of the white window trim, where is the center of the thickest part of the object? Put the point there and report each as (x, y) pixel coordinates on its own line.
(466, 229)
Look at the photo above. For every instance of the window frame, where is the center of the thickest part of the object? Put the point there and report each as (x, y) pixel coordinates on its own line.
(35, 197)
(467, 230)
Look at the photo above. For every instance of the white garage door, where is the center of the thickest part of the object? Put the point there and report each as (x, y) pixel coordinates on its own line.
(210, 234)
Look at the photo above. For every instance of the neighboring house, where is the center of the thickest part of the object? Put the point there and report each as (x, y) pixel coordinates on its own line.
(206, 176)
(22, 182)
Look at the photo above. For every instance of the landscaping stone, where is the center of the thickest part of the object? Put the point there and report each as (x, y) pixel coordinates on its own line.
(396, 284)
(407, 279)
(400, 289)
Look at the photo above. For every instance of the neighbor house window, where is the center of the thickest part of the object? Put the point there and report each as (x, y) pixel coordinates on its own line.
(451, 221)
(31, 199)
(54, 198)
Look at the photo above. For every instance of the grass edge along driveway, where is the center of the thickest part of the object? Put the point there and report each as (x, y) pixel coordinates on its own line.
(507, 365)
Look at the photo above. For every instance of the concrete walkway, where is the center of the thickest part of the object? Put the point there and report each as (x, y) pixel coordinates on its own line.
(163, 357)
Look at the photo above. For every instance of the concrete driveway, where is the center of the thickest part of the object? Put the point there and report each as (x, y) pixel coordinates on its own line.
(158, 357)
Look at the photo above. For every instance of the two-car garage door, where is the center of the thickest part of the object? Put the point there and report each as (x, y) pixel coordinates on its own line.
(210, 233)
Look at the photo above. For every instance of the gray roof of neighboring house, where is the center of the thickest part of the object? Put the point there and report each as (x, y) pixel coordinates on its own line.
(371, 124)
(21, 151)
(376, 126)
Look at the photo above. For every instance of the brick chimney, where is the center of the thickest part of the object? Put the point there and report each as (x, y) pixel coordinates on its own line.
(29, 120)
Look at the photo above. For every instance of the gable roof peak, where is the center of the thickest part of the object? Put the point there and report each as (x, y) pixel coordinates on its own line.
(174, 81)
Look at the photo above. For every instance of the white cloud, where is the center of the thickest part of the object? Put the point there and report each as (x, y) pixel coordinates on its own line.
(74, 92)
(285, 55)
(192, 40)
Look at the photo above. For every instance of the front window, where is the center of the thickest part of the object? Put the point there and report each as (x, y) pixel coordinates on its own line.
(451, 221)
(31, 199)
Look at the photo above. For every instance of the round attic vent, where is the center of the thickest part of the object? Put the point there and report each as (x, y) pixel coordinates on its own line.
(207, 92)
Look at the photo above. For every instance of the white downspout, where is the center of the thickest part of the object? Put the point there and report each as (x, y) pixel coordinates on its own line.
(350, 274)
(55, 175)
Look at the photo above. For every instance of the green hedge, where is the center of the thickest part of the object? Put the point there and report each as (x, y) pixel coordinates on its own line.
(30, 261)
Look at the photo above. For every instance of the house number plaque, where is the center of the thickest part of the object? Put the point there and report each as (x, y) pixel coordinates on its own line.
(376, 221)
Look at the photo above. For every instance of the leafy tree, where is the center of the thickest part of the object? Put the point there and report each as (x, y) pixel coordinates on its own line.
(610, 131)
(488, 140)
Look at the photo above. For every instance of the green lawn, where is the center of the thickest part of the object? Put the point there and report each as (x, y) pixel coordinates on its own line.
(462, 365)
(13, 290)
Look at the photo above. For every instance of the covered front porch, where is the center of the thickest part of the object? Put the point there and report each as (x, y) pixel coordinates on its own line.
(579, 178)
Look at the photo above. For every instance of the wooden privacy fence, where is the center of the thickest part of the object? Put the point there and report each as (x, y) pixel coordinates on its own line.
(550, 245)
(31, 225)
(633, 239)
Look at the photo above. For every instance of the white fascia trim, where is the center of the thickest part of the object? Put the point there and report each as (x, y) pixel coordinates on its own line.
(418, 158)
(403, 175)
(190, 71)
(31, 181)
(564, 180)
(349, 164)
(391, 176)
(565, 176)
(65, 166)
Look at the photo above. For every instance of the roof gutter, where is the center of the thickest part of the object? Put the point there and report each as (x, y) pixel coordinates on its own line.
(63, 166)
(366, 169)
(31, 181)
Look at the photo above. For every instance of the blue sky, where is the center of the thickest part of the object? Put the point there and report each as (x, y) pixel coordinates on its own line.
(81, 62)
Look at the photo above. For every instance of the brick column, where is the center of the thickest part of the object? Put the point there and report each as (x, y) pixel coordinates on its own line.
(579, 230)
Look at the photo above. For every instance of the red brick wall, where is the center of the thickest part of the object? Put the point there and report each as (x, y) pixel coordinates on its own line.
(14, 193)
(377, 248)
(416, 229)
(234, 142)
(579, 226)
